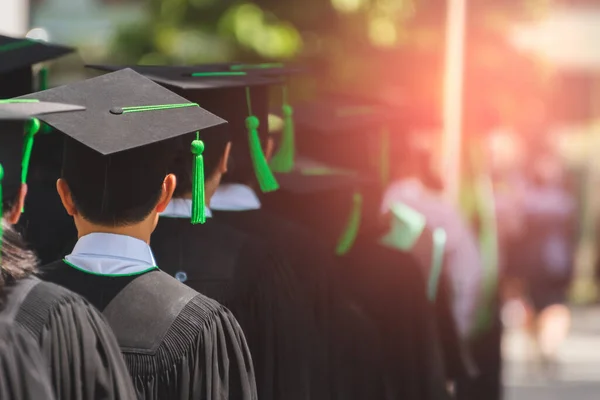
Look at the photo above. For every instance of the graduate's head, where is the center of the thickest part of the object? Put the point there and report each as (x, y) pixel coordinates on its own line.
(217, 147)
(241, 99)
(18, 127)
(116, 190)
(118, 151)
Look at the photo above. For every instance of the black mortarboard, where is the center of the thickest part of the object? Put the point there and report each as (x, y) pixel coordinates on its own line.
(346, 133)
(240, 98)
(283, 160)
(128, 118)
(309, 183)
(17, 55)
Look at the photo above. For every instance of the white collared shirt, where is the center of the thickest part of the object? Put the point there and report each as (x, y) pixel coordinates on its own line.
(111, 254)
(235, 197)
(181, 208)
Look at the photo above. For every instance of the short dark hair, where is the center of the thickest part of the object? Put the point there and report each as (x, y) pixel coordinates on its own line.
(116, 190)
(215, 140)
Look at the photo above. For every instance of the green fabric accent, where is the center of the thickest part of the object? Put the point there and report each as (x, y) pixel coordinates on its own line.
(264, 175)
(488, 244)
(477, 200)
(437, 262)
(350, 233)
(240, 67)
(406, 227)
(217, 73)
(9, 101)
(32, 129)
(325, 171)
(198, 199)
(17, 45)
(133, 109)
(283, 161)
(384, 159)
(43, 79)
(107, 275)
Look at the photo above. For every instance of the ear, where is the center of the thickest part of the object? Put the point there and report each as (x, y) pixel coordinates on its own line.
(168, 188)
(225, 159)
(269, 148)
(15, 212)
(65, 197)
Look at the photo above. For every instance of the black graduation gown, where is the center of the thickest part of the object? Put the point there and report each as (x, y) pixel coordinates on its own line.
(79, 350)
(23, 372)
(352, 344)
(390, 286)
(261, 291)
(177, 343)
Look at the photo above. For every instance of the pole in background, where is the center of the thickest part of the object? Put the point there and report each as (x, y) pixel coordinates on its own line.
(453, 95)
(14, 17)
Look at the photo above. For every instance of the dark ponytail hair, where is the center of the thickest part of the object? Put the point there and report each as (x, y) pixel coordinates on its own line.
(17, 262)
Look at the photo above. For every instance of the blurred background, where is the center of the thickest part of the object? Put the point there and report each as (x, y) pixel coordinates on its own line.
(517, 80)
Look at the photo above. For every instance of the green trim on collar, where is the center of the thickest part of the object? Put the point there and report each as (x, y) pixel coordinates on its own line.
(107, 275)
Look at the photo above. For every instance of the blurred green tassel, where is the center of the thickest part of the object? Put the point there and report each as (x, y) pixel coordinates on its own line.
(264, 175)
(350, 233)
(33, 128)
(283, 161)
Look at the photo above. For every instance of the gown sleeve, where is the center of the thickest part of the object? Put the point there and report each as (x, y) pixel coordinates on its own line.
(23, 372)
(85, 359)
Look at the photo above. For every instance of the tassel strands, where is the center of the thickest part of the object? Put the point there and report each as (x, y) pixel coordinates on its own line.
(33, 128)
(264, 175)
(283, 161)
(198, 195)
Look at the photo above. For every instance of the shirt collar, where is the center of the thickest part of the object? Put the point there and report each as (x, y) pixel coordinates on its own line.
(111, 254)
(181, 208)
(235, 197)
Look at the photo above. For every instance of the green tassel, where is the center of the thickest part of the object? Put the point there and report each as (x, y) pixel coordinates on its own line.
(34, 127)
(43, 79)
(437, 262)
(198, 200)
(283, 161)
(265, 176)
(263, 173)
(349, 235)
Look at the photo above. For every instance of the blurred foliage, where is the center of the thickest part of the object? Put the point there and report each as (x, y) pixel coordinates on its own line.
(388, 50)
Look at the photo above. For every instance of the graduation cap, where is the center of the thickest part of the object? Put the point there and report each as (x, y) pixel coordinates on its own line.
(17, 56)
(312, 180)
(239, 97)
(350, 134)
(15, 150)
(128, 120)
(283, 160)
